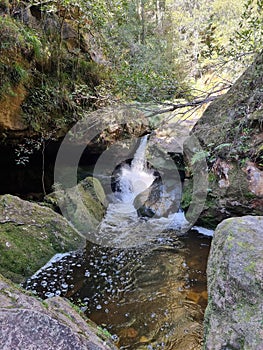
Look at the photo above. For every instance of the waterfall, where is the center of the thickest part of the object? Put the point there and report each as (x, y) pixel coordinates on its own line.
(135, 178)
(138, 162)
(121, 226)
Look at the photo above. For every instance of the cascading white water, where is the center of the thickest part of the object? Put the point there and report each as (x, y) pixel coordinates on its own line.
(121, 226)
(135, 178)
(121, 220)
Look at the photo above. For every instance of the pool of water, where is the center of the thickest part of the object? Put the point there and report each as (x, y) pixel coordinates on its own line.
(149, 297)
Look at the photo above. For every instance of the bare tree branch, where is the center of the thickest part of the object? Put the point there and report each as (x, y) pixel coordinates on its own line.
(197, 102)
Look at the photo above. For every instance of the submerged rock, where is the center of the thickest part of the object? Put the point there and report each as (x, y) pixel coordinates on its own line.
(233, 318)
(52, 324)
(30, 235)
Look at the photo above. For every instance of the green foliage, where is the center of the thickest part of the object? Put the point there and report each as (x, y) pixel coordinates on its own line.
(25, 150)
(139, 49)
(11, 38)
(248, 38)
(201, 31)
(16, 38)
(48, 108)
(146, 78)
(33, 42)
(18, 46)
(199, 156)
(222, 146)
(11, 75)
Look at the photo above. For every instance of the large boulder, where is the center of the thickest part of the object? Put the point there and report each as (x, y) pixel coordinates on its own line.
(83, 205)
(30, 323)
(230, 132)
(233, 318)
(30, 235)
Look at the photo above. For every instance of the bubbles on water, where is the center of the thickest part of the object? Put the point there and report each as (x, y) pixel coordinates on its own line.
(44, 283)
(87, 274)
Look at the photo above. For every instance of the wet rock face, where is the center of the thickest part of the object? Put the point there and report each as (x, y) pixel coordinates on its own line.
(30, 235)
(233, 318)
(159, 200)
(53, 324)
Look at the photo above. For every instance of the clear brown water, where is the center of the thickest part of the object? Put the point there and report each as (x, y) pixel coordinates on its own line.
(152, 297)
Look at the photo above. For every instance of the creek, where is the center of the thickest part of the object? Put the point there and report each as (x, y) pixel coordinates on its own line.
(145, 281)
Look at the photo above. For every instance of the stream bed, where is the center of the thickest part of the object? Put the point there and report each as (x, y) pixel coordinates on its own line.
(142, 279)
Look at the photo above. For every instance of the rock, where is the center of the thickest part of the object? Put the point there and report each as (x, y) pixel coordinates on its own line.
(220, 123)
(170, 137)
(30, 323)
(83, 205)
(231, 196)
(106, 126)
(159, 200)
(233, 318)
(255, 179)
(230, 132)
(30, 235)
(163, 197)
(10, 112)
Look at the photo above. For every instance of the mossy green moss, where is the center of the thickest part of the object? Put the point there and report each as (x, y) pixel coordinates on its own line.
(83, 205)
(187, 193)
(30, 235)
(19, 47)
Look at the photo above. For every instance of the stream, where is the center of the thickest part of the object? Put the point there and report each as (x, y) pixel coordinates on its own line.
(145, 281)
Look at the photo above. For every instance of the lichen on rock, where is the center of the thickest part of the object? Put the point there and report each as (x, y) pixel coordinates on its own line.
(48, 325)
(233, 318)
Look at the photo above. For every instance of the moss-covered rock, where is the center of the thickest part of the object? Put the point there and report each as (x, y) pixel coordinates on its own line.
(30, 235)
(230, 132)
(233, 199)
(83, 205)
(48, 325)
(233, 318)
(235, 117)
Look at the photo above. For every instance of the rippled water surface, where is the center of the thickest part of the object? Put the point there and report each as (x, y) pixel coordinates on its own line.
(151, 297)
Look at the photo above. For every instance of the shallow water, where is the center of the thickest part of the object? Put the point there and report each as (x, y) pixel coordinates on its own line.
(148, 298)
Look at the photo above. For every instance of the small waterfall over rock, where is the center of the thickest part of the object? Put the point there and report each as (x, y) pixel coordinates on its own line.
(121, 226)
(135, 178)
(147, 296)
